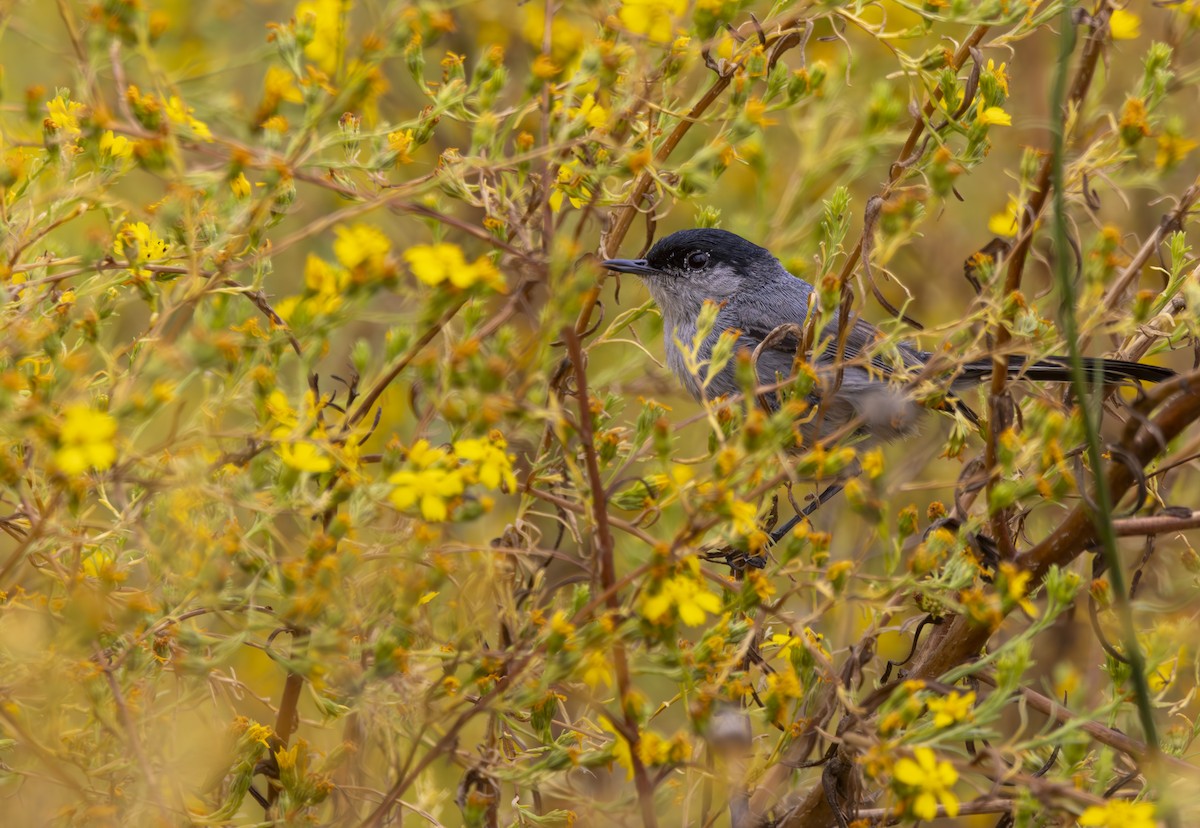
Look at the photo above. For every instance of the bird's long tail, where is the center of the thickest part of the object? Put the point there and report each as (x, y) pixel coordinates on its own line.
(1058, 369)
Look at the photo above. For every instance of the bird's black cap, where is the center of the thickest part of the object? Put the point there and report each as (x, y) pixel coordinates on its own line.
(670, 254)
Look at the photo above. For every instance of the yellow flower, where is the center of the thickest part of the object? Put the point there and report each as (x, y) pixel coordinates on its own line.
(592, 113)
(328, 20)
(491, 465)
(994, 116)
(948, 710)
(743, 515)
(1125, 25)
(303, 455)
(65, 114)
(928, 782)
(180, 114)
(437, 263)
(138, 243)
(1014, 584)
(276, 123)
(569, 184)
(1134, 122)
(652, 18)
(1172, 149)
(279, 85)
(596, 669)
(100, 564)
(621, 752)
(1008, 222)
(115, 146)
(431, 488)
(240, 186)
(423, 455)
(1000, 74)
(684, 594)
(361, 246)
(400, 142)
(434, 263)
(1117, 813)
(872, 463)
(85, 441)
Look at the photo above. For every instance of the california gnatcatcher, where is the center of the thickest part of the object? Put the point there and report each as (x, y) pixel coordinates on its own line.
(757, 296)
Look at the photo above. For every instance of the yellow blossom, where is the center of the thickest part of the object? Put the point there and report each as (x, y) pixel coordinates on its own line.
(544, 67)
(65, 114)
(591, 112)
(279, 85)
(1117, 813)
(1124, 25)
(1014, 584)
(566, 36)
(652, 18)
(1172, 149)
(743, 515)
(1006, 223)
(559, 625)
(85, 441)
(100, 564)
(433, 489)
(361, 247)
(1000, 73)
(115, 146)
(872, 463)
(437, 263)
(686, 595)
(489, 463)
(302, 454)
(595, 669)
(569, 184)
(423, 455)
(993, 116)
(180, 114)
(927, 782)
(240, 186)
(621, 752)
(138, 243)
(430, 482)
(951, 709)
(1134, 123)
(328, 21)
(400, 142)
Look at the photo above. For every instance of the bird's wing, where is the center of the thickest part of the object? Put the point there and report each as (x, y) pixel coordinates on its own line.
(860, 339)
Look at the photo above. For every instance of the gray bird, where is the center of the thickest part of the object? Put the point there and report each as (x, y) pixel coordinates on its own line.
(757, 295)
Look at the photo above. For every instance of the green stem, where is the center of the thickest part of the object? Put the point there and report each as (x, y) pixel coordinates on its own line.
(1102, 513)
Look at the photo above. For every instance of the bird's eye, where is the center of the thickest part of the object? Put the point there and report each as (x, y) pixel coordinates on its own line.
(696, 260)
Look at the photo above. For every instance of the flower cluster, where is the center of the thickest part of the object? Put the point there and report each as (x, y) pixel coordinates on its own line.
(433, 264)
(85, 441)
(435, 477)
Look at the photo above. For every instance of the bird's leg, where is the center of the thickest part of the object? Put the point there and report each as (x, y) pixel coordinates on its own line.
(831, 490)
(739, 560)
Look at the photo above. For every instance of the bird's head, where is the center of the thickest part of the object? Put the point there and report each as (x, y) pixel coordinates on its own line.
(691, 266)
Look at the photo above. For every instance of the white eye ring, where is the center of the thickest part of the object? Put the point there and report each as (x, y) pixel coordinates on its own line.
(696, 260)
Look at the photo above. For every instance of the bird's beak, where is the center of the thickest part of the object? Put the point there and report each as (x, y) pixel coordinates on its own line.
(637, 267)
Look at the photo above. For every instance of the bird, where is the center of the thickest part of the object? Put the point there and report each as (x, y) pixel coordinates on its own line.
(756, 295)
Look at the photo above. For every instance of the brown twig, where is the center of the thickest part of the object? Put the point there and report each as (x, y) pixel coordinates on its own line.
(288, 717)
(606, 576)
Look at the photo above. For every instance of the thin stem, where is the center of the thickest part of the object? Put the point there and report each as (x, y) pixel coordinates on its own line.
(1102, 516)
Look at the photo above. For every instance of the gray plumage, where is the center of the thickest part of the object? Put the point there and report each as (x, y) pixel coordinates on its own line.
(757, 295)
